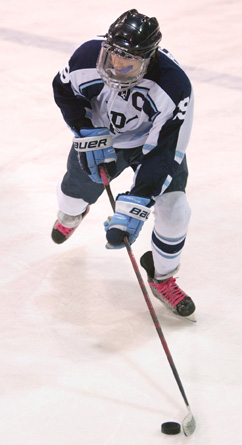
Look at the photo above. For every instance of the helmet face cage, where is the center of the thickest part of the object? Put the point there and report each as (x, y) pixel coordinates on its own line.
(119, 69)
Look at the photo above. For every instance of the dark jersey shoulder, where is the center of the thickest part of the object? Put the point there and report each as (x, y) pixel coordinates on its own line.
(167, 73)
(86, 55)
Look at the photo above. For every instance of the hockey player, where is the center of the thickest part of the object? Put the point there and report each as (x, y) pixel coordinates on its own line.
(129, 104)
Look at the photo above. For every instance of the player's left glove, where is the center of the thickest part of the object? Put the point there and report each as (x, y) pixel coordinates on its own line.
(130, 214)
(94, 147)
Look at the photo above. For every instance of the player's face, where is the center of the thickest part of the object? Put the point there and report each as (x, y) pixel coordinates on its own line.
(119, 69)
(125, 67)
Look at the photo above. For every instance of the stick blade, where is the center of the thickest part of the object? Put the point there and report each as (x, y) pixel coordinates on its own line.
(189, 424)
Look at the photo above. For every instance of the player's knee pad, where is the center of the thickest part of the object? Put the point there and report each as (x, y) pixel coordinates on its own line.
(172, 214)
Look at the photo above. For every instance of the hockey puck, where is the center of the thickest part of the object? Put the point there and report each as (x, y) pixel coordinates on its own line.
(171, 428)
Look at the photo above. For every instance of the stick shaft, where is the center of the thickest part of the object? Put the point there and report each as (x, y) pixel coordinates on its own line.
(145, 293)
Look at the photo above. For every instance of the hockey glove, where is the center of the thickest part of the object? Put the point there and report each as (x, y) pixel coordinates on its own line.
(130, 214)
(94, 147)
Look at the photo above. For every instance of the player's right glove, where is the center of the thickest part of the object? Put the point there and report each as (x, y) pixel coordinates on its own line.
(130, 214)
(94, 147)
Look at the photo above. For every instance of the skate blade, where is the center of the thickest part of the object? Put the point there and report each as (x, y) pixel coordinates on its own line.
(192, 318)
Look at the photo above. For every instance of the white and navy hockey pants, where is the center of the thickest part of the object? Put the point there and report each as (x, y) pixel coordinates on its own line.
(171, 209)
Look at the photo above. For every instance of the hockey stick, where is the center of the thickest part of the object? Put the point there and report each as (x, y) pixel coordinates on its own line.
(188, 423)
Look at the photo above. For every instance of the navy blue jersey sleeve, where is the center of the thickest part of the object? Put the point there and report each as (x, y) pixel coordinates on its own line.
(168, 138)
(72, 101)
(72, 107)
(160, 164)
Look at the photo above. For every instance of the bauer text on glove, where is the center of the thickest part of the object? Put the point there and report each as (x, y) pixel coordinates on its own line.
(94, 147)
(130, 214)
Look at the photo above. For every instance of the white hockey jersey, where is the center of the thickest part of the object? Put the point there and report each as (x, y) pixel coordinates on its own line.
(156, 114)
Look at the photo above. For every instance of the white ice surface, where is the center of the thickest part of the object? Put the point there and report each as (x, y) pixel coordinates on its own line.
(80, 359)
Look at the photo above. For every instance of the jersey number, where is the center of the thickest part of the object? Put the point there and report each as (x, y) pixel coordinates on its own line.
(182, 108)
(65, 74)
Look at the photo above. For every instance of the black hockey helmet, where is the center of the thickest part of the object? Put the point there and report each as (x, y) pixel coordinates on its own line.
(125, 54)
(135, 33)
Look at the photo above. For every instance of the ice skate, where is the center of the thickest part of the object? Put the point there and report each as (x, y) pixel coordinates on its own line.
(168, 291)
(65, 225)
